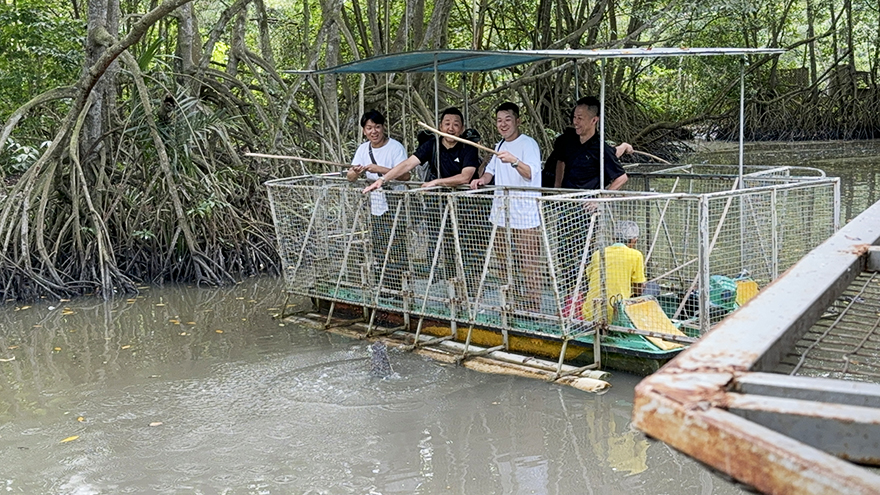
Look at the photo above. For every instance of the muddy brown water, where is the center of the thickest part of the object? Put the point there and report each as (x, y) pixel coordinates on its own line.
(202, 391)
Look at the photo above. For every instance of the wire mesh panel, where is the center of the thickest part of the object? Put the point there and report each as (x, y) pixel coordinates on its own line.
(616, 262)
(323, 230)
(756, 234)
(646, 269)
(505, 263)
(698, 179)
(845, 342)
(806, 217)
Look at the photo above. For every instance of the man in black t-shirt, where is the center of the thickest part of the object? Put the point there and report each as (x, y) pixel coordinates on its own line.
(457, 164)
(577, 153)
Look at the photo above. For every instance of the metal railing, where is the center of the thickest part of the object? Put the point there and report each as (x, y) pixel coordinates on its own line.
(783, 395)
(519, 260)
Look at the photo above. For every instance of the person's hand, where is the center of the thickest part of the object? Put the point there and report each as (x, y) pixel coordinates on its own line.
(430, 184)
(506, 157)
(624, 149)
(375, 185)
(591, 207)
(476, 183)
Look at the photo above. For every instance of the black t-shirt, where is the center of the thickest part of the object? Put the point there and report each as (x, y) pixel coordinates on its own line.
(582, 163)
(548, 174)
(452, 160)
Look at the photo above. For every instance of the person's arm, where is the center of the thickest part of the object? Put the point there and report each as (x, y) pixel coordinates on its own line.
(482, 168)
(613, 168)
(560, 172)
(623, 149)
(617, 183)
(399, 170)
(638, 276)
(464, 177)
(522, 168)
(383, 171)
(482, 181)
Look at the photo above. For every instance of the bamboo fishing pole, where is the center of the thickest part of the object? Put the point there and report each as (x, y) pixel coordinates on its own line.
(286, 157)
(653, 157)
(459, 139)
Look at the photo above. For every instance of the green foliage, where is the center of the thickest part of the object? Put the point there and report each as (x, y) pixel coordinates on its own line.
(41, 47)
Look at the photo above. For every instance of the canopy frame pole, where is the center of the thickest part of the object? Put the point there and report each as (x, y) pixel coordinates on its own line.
(464, 89)
(436, 115)
(602, 125)
(742, 115)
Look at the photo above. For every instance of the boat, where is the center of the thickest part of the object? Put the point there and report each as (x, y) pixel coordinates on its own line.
(712, 237)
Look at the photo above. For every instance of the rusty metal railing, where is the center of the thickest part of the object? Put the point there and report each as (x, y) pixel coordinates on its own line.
(732, 402)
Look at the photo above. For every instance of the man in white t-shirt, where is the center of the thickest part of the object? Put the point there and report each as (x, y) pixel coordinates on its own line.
(374, 158)
(516, 165)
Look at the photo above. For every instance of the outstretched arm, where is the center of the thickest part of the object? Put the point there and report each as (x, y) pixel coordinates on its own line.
(399, 170)
(464, 177)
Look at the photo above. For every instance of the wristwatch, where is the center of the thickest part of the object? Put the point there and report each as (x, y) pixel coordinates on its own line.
(515, 164)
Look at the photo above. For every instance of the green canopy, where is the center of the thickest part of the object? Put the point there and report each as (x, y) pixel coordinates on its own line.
(485, 60)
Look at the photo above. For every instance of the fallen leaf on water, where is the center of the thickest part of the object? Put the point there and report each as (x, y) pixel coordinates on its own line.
(156, 423)
(219, 331)
(38, 326)
(182, 333)
(56, 349)
(190, 323)
(12, 347)
(80, 419)
(7, 360)
(160, 304)
(130, 300)
(68, 311)
(126, 346)
(176, 322)
(238, 298)
(21, 308)
(70, 439)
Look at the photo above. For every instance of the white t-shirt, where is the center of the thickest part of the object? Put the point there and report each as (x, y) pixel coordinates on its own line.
(523, 208)
(387, 156)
